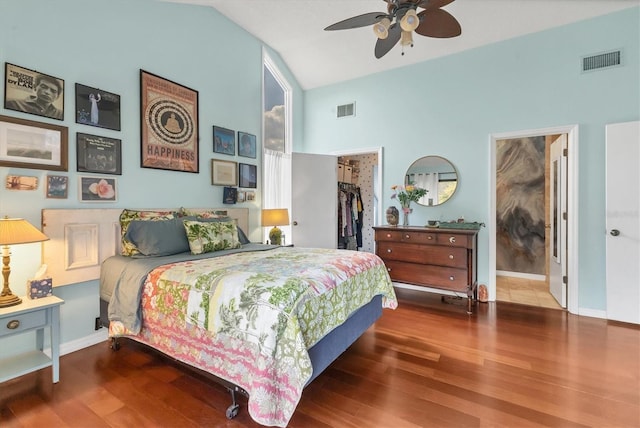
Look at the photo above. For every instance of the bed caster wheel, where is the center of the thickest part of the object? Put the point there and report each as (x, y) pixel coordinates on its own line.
(232, 411)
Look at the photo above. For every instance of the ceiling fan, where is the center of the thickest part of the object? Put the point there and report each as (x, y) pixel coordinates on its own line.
(401, 19)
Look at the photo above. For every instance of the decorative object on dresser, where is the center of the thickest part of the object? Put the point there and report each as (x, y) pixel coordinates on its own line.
(275, 217)
(437, 258)
(14, 231)
(407, 194)
(393, 216)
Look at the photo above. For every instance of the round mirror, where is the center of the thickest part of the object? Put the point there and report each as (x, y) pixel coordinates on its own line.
(437, 175)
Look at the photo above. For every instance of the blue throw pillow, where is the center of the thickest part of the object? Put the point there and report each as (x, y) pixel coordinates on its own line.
(158, 238)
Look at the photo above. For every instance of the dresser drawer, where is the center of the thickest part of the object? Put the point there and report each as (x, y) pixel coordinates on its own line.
(423, 254)
(453, 240)
(388, 235)
(437, 276)
(16, 323)
(418, 237)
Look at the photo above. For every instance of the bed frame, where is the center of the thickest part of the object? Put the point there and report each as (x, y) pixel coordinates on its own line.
(81, 239)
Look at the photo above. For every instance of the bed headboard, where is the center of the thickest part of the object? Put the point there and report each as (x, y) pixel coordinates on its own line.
(81, 239)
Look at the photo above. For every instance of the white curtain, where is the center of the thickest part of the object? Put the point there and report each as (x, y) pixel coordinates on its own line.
(277, 184)
(428, 181)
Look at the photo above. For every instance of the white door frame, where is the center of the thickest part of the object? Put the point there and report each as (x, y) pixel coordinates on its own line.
(367, 151)
(572, 206)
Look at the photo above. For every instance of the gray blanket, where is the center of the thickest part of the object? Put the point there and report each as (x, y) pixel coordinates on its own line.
(122, 279)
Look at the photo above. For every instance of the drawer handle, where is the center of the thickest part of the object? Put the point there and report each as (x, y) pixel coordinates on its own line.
(450, 256)
(407, 236)
(13, 324)
(388, 250)
(429, 237)
(388, 269)
(451, 278)
(452, 239)
(388, 235)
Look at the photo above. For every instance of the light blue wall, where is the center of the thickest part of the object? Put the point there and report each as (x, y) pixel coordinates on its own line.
(104, 44)
(450, 106)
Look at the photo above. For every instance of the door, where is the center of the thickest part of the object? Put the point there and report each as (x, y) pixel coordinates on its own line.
(314, 200)
(623, 221)
(557, 244)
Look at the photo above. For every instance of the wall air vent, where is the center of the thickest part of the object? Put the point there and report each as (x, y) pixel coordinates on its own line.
(600, 61)
(346, 110)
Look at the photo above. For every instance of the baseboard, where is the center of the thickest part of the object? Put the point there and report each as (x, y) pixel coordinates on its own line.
(530, 276)
(84, 342)
(593, 313)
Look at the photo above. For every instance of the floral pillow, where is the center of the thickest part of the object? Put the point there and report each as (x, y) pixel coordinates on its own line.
(206, 237)
(186, 212)
(127, 216)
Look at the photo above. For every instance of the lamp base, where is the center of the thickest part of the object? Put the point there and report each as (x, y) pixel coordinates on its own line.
(275, 236)
(9, 300)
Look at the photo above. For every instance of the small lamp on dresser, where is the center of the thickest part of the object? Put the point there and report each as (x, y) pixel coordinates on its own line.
(14, 231)
(275, 217)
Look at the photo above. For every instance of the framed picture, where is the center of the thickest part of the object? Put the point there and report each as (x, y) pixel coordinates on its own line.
(248, 176)
(230, 195)
(57, 186)
(21, 182)
(224, 173)
(30, 91)
(169, 114)
(246, 145)
(250, 196)
(98, 154)
(35, 145)
(96, 107)
(97, 189)
(240, 197)
(224, 141)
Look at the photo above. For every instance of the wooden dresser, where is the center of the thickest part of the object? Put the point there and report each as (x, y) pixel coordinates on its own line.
(433, 257)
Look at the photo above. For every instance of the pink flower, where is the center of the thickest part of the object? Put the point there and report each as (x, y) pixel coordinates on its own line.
(103, 189)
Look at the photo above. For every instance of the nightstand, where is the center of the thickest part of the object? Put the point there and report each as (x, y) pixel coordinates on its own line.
(28, 316)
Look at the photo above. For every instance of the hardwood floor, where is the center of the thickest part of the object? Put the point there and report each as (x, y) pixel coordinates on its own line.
(425, 364)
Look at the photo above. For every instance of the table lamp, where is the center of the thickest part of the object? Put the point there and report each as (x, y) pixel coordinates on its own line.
(14, 231)
(275, 217)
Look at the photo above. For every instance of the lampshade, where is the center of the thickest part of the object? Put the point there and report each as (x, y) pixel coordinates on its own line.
(275, 217)
(381, 28)
(406, 38)
(410, 20)
(19, 231)
(14, 231)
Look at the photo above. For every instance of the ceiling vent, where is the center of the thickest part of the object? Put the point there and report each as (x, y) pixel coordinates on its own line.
(600, 61)
(346, 110)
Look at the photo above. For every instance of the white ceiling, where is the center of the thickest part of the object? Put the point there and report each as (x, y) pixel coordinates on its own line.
(295, 29)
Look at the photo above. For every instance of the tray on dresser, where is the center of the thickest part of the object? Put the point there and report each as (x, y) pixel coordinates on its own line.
(455, 225)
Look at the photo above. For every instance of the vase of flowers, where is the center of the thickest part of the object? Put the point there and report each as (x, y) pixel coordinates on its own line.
(406, 195)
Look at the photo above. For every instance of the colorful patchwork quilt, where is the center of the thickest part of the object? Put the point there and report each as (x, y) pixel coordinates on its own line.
(250, 317)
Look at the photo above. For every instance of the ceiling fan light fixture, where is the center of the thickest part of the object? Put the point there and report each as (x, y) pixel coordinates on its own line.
(406, 39)
(381, 28)
(410, 20)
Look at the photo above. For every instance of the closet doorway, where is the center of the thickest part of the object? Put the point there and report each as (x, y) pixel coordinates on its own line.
(365, 175)
(533, 224)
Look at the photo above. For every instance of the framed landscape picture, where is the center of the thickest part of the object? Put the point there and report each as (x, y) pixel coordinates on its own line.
(224, 141)
(98, 154)
(30, 91)
(57, 186)
(246, 145)
(169, 114)
(96, 107)
(28, 144)
(248, 176)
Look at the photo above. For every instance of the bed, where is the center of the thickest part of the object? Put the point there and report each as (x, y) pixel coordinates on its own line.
(263, 320)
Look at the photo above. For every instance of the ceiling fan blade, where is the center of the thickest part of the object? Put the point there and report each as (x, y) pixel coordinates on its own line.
(438, 23)
(357, 21)
(385, 45)
(433, 4)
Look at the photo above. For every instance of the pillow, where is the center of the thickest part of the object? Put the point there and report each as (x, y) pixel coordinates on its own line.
(206, 237)
(158, 238)
(127, 216)
(242, 237)
(185, 212)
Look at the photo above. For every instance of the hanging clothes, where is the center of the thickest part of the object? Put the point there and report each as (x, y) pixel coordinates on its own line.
(350, 214)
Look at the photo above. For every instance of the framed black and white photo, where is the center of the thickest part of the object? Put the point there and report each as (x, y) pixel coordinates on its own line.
(96, 107)
(224, 173)
(248, 176)
(246, 145)
(229, 195)
(224, 141)
(32, 92)
(36, 145)
(98, 154)
(97, 189)
(57, 186)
